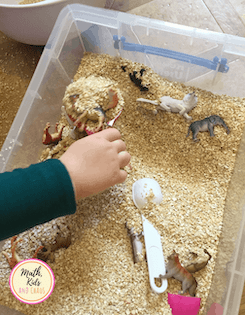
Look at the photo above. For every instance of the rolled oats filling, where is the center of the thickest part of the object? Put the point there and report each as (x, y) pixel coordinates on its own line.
(96, 273)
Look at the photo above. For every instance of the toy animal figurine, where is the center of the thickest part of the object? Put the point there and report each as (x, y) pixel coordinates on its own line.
(123, 68)
(142, 71)
(113, 99)
(135, 80)
(47, 251)
(207, 124)
(138, 81)
(136, 243)
(94, 114)
(175, 270)
(52, 138)
(97, 115)
(175, 106)
(194, 267)
(15, 259)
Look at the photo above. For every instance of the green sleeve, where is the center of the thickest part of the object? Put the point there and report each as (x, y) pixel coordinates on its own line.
(34, 195)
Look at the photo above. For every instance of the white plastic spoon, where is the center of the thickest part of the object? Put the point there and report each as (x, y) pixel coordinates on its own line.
(155, 259)
(143, 188)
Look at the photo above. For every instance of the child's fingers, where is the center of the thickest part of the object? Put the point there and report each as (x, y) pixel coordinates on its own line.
(120, 145)
(110, 134)
(122, 176)
(124, 158)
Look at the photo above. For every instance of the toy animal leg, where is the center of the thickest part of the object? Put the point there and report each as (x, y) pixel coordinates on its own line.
(182, 109)
(194, 137)
(82, 127)
(7, 257)
(167, 275)
(163, 106)
(37, 250)
(227, 129)
(158, 107)
(56, 127)
(187, 116)
(14, 244)
(224, 125)
(101, 119)
(46, 139)
(14, 259)
(84, 114)
(147, 101)
(13, 240)
(211, 130)
(185, 287)
(188, 133)
(47, 126)
(61, 130)
(192, 289)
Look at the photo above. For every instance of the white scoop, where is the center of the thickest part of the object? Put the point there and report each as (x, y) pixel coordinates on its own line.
(154, 254)
(155, 259)
(143, 188)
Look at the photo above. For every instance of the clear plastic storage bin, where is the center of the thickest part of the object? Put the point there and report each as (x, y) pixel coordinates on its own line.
(208, 60)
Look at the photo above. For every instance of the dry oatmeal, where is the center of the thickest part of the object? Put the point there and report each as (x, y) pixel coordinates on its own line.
(96, 274)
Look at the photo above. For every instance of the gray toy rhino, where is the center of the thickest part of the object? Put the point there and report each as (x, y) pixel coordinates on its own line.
(207, 124)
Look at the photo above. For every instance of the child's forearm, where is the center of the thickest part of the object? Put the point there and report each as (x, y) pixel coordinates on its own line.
(34, 195)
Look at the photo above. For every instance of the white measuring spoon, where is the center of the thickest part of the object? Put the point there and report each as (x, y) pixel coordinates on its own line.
(143, 188)
(153, 245)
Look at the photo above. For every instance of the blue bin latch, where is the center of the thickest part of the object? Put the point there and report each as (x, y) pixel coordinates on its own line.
(210, 64)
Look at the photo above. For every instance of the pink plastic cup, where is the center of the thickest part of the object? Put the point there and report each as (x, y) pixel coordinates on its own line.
(184, 305)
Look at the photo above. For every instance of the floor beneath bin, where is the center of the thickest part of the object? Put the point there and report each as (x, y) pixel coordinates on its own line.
(18, 61)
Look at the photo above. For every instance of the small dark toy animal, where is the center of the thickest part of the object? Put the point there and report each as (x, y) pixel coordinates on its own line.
(142, 71)
(207, 124)
(123, 67)
(178, 272)
(135, 80)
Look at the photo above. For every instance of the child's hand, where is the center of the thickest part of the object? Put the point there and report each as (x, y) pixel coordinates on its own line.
(215, 309)
(95, 162)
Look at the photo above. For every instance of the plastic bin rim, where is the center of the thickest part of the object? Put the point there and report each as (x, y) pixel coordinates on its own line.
(137, 20)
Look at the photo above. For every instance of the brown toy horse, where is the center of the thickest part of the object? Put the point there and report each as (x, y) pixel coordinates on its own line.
(175, 270)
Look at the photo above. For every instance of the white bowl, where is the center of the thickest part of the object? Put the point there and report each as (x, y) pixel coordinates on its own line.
(32, 23)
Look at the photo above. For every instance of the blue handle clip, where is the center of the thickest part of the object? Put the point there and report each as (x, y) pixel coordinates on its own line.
(210, 64)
